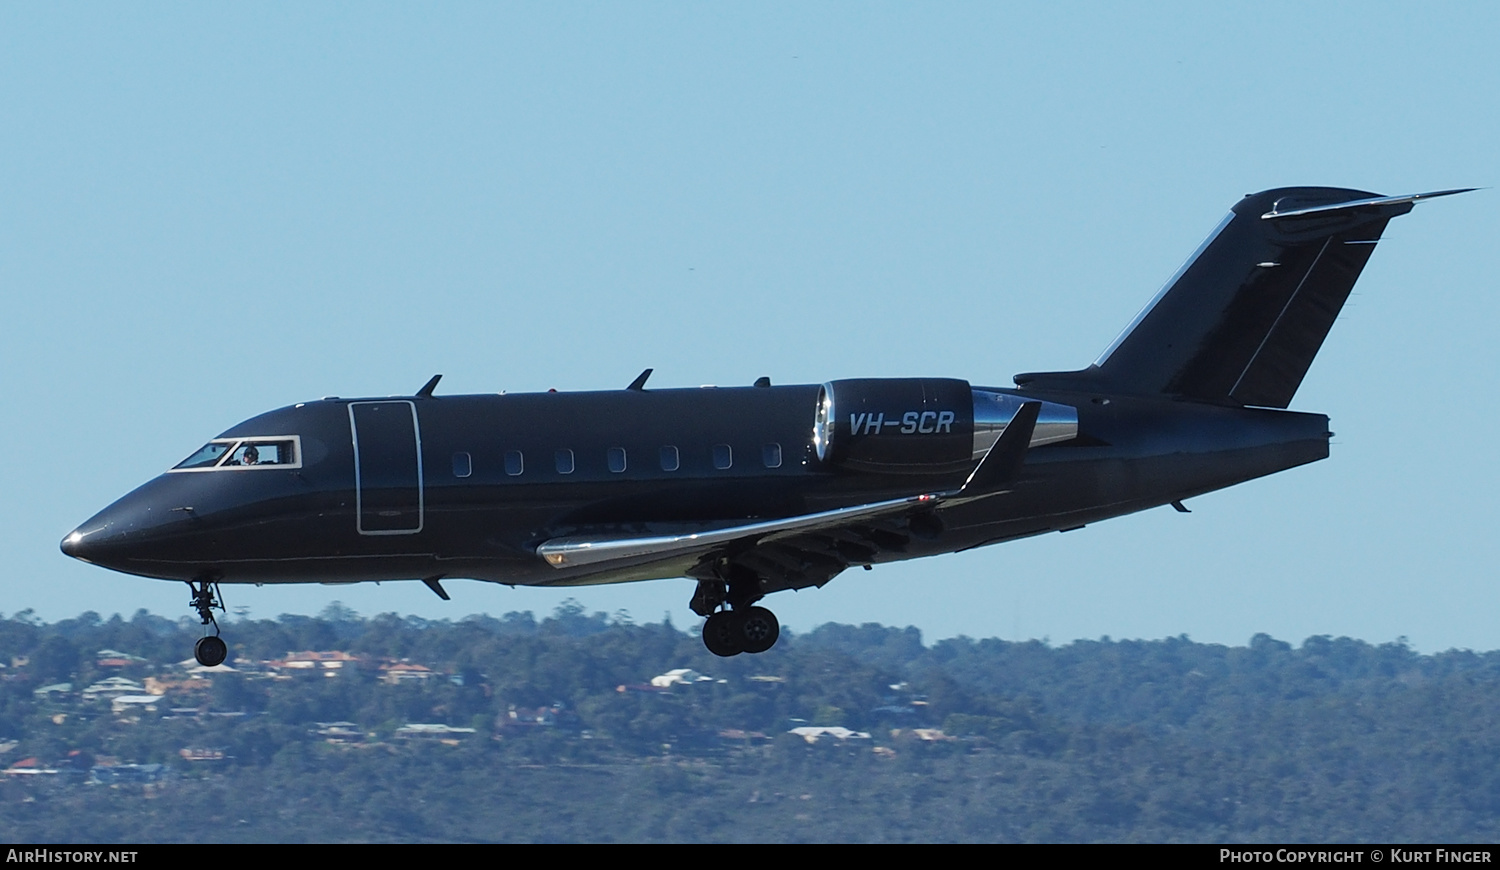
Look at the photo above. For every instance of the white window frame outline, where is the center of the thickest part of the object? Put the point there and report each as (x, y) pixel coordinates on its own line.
(234, 444)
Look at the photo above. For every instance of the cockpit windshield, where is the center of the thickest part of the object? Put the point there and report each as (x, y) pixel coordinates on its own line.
(207, 456)
(279, 451)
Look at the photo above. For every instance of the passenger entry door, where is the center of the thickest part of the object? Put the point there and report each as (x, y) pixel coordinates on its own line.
(387, 467)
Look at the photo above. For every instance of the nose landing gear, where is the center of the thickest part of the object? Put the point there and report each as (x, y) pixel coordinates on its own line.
(210, 650)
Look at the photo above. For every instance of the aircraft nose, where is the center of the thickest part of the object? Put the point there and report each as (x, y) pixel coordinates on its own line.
(126, 535)
(94, 542)
(89, 545)
(73, 545)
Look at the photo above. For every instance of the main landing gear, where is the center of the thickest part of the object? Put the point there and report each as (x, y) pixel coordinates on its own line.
(734, 625)
(731, 632)
(210, 650)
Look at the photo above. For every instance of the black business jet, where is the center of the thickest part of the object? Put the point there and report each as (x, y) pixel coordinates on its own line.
(753, 490)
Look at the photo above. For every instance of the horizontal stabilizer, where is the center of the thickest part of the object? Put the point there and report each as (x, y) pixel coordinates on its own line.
(1371, 203)
(1240, 322)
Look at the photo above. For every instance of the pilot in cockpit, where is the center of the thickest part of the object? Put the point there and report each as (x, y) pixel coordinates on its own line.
(250, 456)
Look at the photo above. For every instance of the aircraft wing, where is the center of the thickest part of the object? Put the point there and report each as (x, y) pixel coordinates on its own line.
(803, 550)
(586, 550)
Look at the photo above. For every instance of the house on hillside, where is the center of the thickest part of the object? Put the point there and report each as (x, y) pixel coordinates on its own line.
(110, 688)
(121, 705)
(29, 767)
(127, 774)
(113, 658)
(54, 692)
(339, 732)
(679, 677)
(433, 731)
(396, 673)
(329, 663)
(813, 733)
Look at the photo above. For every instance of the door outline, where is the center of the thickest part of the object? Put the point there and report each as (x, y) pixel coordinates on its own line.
(359, 512)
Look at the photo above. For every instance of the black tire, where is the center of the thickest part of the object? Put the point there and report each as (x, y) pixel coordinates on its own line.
(758, 630)
(721, 634)
(210, 651)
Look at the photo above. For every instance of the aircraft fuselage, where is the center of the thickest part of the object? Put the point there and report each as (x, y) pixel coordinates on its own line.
(499, 474)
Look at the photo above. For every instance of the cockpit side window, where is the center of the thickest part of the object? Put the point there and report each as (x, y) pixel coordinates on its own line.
(261, 452)
(222, 454)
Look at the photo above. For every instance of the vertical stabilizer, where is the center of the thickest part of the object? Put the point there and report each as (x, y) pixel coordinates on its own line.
(1240, 323)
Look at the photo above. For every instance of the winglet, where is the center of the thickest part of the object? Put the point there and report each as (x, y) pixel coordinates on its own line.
(639, 384)
(426, 391)
(1003, 461)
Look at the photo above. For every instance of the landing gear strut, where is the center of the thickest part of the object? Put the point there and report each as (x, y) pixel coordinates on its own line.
(734, 625)
(210, 650)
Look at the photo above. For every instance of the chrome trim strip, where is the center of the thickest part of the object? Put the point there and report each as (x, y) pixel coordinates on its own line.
(994, 411)
(578, 551)
(1361, 203)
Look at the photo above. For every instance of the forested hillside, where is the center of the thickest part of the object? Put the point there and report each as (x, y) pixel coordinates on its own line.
(584, 727)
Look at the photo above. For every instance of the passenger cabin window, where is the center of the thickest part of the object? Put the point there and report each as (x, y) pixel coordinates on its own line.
(245, 453)
(770, 455)
(564, 461)
(514, 464)
(723, 456)
(617, 459)
(669, 458)
(463, 465)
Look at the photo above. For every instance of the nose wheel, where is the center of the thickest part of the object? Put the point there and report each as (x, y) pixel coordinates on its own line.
(210, 650)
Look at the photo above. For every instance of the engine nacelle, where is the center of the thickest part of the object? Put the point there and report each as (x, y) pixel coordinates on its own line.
(921, 425)
(896, 425)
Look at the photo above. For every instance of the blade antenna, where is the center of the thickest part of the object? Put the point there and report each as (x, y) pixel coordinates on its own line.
(436, 587)
(639, 384)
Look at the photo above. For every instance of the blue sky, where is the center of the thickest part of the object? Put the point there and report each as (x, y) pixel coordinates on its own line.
(207, 211)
